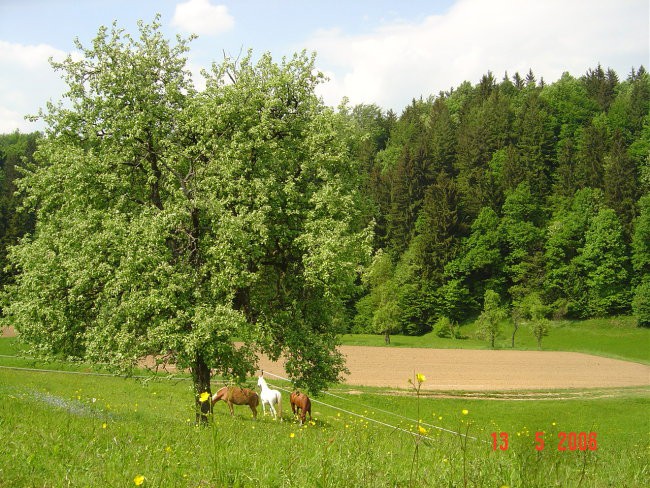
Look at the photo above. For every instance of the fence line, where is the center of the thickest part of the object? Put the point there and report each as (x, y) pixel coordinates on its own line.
(373, 408)
(369, 419)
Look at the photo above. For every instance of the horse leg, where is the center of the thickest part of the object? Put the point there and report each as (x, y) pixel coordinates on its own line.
(232, 411)
(275, 415)
(254, 409)
(264, 408)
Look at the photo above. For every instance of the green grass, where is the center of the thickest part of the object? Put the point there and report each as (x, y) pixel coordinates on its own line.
(617, 338)
(98, 431)
(69, 429)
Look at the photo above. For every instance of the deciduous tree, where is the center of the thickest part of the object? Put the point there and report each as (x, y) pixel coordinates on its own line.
(604, 262)
(172, 222)
(489, 322)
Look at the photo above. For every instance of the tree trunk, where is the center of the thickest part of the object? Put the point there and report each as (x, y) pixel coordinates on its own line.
(201, 378)
(516, 315)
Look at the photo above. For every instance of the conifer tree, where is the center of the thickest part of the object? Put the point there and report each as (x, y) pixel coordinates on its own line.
(620, 182)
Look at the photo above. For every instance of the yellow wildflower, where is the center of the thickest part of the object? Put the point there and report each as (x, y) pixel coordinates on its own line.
(204, 397)
(292, 435)
(138, 480)
(104, 425)
(422, 430)
(465, 411)
(420, 377)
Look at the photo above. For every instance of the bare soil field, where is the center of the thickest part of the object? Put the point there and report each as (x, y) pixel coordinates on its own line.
(472, 370)
(479, 370)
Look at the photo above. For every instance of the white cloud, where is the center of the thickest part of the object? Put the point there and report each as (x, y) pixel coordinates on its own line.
(32, 57)
(27, 82)
(201, 17)
(11, 120)
(398, 62)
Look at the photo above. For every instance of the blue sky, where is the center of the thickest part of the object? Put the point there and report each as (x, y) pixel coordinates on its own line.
(384, 52)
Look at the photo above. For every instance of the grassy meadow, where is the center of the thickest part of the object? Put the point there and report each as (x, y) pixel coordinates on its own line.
(617, 337)
(71, 429)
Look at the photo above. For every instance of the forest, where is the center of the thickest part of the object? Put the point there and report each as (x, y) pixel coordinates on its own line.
(536, 192)
(535, 195)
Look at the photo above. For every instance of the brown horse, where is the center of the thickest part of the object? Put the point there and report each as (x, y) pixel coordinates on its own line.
(301, 404)
(234, 395)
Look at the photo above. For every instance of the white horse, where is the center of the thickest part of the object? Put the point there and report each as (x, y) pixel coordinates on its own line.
(270, 397)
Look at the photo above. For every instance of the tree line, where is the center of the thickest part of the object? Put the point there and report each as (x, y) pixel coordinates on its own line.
(531, 194)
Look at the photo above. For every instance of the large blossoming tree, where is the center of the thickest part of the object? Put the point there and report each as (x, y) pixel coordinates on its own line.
(175, 222)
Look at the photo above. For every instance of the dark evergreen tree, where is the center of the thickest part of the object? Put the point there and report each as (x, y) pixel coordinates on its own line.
(483, 130)
(565, 178)
(408, 170)
(442, 135)
(518, 81)
(405, 199)
(593, 143)
(535, 135)
(639, 108)
(601, 86)
(439, 229)
(530, 80)
(620, 183)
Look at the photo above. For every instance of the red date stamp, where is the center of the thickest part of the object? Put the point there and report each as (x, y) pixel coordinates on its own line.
(566, 441)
